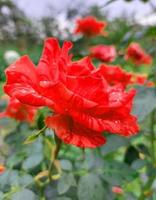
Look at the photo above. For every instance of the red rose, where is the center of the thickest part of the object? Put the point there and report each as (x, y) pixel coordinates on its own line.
(117, 190)
(90, 26)
(19, 111)
(137, 55)
(141, 79)
(103, 53)
(2, 169)
(114, 75)
(83, 104)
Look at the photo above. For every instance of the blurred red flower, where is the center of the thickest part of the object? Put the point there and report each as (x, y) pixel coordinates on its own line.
(114, 75)
(15, 109)
(103, 52)
(137, 55)
(2, 169)
(117, 190)
(141, 79)
(84, 105)
(90, 26)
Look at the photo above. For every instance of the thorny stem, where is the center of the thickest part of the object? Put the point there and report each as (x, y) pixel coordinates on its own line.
(54, 155)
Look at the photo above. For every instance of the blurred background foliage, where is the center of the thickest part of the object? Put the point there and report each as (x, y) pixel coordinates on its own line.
(122, 162)
(20, 33)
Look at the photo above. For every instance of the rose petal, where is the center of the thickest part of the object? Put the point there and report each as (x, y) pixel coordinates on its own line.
(72, 133)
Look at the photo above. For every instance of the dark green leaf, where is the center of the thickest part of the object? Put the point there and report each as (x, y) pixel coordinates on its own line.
(15, 159)
(132, 153)
(40, 120)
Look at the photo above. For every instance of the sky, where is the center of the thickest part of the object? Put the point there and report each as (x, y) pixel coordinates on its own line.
(39, 8)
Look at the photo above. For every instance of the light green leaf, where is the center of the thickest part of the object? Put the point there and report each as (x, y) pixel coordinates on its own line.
(33, 137)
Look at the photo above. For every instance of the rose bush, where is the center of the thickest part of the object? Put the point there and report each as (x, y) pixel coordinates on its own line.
(79, 100)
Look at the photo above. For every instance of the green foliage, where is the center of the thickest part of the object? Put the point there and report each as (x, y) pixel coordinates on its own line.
(145, 102)
(24, 194)
(89, 186)
(114, 142)
(66, 181)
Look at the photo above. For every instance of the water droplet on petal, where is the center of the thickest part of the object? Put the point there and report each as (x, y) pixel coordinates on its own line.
(45, 84)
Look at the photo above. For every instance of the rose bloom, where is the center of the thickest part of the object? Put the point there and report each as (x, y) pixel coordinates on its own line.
(90, 26)
(16, 110)
(114, 75)
(117, 190)
(103, 52)
(137, 55)
(84, 105)
(2, 169)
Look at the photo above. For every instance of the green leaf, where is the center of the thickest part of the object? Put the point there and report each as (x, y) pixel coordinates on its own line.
(66, 165)
(138, 164)
(65, 182)
(24, 194)
(35, 148)
(131, 154)
(32, 161)
(63, 198)
(33, 137)
(26, 179)
(90, 188)
(40, 120)
(116, 173)
(113, 143)
(1, 195)
(9, 178)
(14, 178)
(145, 102)
(15, 160)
